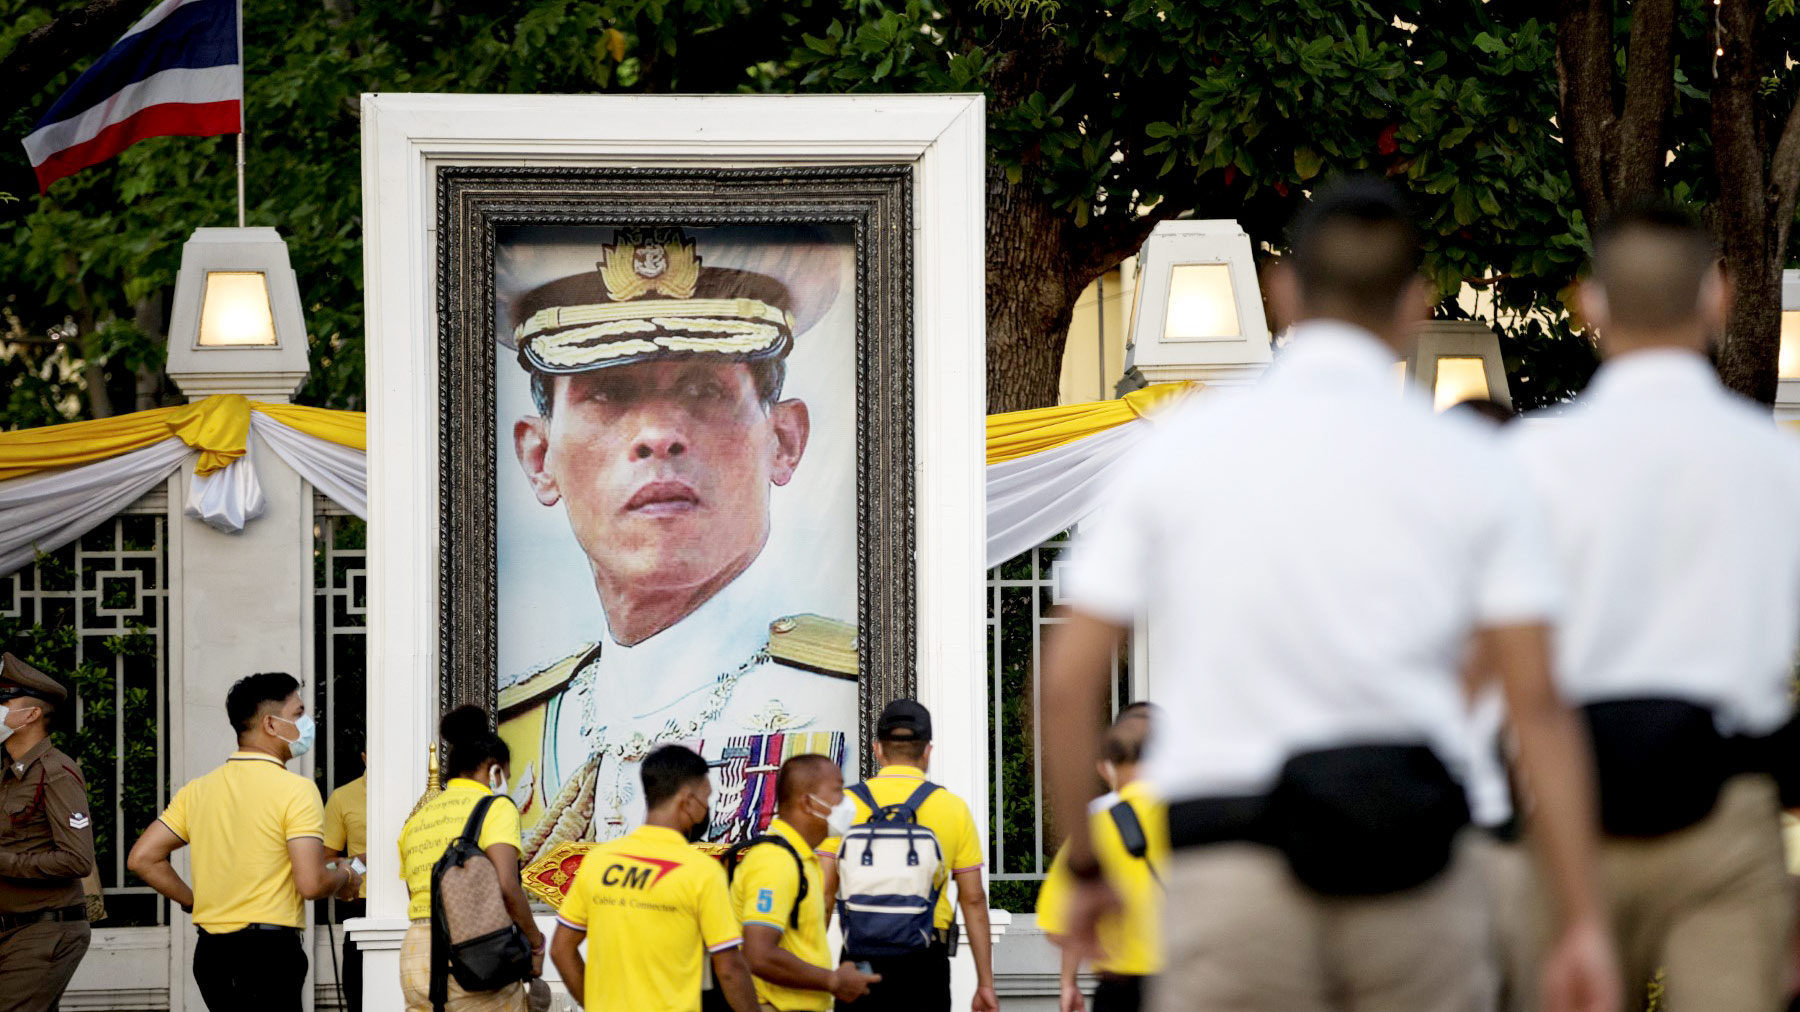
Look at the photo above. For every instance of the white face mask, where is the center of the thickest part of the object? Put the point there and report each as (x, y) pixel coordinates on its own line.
(6, 729)
(839, 817)
(497, 781)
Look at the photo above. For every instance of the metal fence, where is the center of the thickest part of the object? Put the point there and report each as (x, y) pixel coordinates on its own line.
(1023, 595)
(340, 637)
(97, 613)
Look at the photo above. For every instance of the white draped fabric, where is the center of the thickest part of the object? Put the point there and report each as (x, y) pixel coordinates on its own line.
(227, 500)
(1031, 499)
(45, 511)
(341, 472)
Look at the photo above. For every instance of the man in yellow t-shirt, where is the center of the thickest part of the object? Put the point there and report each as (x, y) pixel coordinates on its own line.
(648, 904)
(1130, 838)
(920, 982)
(784, 924)
(347, 837)
(256, 832)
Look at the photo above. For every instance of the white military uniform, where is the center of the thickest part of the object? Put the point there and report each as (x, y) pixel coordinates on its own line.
(749, 678)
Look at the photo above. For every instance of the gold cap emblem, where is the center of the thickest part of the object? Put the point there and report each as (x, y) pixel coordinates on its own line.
(643, 260)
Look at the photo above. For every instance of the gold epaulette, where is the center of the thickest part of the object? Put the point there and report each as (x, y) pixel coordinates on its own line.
(545, 680)
(815, 643)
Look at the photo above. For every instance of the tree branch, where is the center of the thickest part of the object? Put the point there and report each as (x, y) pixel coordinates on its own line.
(49, 50)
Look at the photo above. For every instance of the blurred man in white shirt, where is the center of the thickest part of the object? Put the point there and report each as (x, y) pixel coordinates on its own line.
(1674, 508)
(1324, 550)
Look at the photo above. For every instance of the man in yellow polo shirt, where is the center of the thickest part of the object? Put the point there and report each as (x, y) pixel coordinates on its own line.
(347, 837)
(784, 924)
(920, 982)
(1131, 841)
(648, 904)
(256, 831)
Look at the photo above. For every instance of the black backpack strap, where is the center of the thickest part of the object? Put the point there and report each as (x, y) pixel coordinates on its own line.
(440, 955)
(1131, 834)
(472, 829)
(911, 805)
(918, 796)
(735, 856)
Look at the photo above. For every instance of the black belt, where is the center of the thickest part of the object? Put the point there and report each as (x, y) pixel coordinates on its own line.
(248, 927)
(77, 912)
(1199, 822)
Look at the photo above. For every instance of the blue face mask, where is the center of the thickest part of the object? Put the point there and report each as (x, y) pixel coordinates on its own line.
(308, 732)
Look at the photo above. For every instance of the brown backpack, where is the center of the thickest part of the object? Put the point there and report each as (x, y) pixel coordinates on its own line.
(473, 938)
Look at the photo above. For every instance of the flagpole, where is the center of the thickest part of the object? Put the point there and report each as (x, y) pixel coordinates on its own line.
(240, 174)
(242, 89)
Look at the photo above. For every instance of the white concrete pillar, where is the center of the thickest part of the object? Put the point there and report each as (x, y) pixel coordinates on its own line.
(245, 606)
(242, 602)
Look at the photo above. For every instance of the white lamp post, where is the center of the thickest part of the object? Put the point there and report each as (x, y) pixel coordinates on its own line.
(1787, 388)
(1458, 360)
(236, 326)
(1198, 312)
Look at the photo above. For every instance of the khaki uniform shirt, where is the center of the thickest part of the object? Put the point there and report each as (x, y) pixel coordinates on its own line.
(46, 839)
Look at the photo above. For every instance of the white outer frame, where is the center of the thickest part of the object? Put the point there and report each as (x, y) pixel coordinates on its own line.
(407, 137)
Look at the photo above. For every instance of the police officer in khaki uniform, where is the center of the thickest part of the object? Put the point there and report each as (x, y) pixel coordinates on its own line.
(46, 846)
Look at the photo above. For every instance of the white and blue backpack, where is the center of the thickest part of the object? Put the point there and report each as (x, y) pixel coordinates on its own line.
(888, 871)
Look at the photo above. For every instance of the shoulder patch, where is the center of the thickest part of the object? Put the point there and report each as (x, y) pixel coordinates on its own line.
(815, 643)
(79, 820)
(537, 684)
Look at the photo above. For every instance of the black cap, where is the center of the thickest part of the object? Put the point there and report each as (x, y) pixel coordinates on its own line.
(904, 720)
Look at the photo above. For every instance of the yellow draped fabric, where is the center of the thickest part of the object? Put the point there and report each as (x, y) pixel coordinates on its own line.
(219, 427)
(345, 428)
(1022, 433)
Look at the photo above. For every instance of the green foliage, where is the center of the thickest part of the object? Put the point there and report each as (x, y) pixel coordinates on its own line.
(1106, 110)
(89, 737)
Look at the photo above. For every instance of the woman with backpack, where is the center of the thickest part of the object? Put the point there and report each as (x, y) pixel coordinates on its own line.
(479, 763)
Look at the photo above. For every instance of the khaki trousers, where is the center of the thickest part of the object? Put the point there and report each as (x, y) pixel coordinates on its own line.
(1709, 906)
(36, 962)
(1243, 936)
(1511, 880)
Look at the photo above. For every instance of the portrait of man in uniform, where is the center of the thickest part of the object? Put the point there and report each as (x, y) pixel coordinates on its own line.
(681, 413)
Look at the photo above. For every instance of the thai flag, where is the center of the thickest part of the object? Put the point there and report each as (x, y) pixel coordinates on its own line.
(179, 71)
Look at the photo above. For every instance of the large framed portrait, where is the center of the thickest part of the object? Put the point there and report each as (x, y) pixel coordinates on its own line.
(675, 435)
(676, 475)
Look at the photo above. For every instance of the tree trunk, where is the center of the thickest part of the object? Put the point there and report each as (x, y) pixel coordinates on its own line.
(1617, 150)
(1030, 295)
(1754, 196)
(1748, 357)
(93, 370)
(147, 315)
